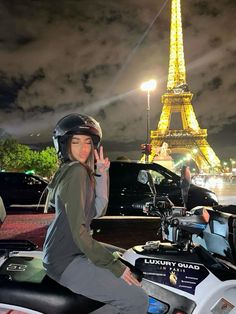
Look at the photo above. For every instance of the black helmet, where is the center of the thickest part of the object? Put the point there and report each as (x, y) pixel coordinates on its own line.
(75, 123)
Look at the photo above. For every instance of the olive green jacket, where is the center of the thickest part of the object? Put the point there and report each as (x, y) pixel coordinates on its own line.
(77, 199)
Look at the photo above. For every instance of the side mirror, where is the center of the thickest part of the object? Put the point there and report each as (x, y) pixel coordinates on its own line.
(145, 177)
(2, 211)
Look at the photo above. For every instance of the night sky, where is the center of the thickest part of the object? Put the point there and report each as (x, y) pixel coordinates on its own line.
(90, 56)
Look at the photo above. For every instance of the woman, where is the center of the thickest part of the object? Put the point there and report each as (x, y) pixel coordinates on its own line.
(78, 194)
(185, 182)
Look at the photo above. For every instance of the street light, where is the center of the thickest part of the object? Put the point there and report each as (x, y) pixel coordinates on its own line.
(148, 87)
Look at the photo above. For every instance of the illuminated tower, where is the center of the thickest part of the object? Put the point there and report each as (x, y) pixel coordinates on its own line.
(189, 138)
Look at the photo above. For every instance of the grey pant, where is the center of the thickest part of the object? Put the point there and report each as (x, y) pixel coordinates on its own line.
(83, 277)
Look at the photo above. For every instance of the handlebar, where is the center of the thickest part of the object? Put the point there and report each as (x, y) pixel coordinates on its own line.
(177, 218)
(160, 206)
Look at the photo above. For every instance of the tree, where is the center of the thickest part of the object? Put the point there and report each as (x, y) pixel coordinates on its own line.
(45, 162)
(13, 156)
(19, 157)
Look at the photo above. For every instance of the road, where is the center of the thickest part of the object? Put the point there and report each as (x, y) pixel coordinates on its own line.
(227, 194)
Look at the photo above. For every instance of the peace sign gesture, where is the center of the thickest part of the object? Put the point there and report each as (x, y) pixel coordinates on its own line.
(103, 164)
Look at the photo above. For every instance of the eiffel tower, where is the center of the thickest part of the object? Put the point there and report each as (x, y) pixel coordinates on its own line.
(191, 139)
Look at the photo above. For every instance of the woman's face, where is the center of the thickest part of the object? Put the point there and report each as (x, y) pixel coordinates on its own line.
(80, 147)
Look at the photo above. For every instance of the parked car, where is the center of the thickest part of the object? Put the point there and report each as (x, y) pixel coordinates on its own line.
(18, 188)
(125, 224)
(125, 190)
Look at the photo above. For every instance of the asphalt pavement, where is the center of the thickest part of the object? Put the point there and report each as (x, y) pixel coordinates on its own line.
(226, 194)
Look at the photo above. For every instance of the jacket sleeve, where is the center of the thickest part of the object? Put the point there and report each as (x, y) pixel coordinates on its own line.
(101, 193)
(74, 196)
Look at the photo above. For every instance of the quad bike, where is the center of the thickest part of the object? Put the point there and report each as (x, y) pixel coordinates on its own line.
(191, 271)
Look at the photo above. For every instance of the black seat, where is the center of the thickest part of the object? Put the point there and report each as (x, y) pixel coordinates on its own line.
(24, 283)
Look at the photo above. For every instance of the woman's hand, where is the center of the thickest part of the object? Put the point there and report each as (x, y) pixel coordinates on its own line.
(129, 278)
(103, 164)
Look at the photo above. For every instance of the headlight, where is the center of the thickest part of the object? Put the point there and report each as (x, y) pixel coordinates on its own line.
(212, 196)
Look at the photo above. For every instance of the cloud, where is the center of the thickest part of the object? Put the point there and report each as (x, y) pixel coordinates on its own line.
(88, 56)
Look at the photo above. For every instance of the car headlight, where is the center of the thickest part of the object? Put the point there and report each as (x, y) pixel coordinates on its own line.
(212, 196)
